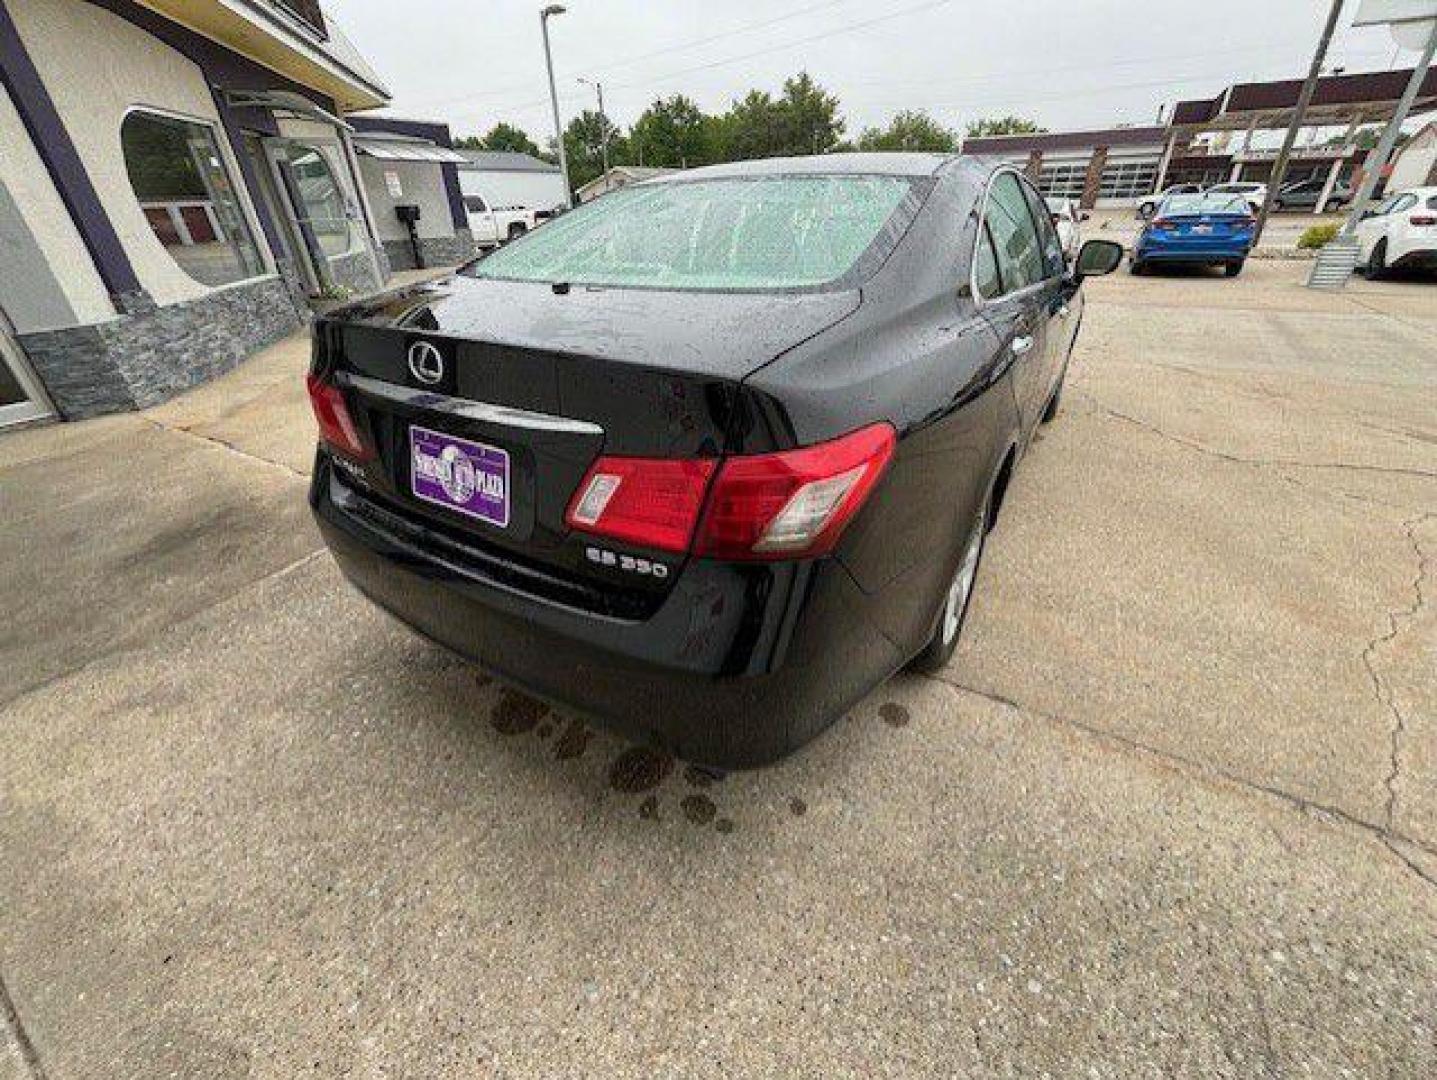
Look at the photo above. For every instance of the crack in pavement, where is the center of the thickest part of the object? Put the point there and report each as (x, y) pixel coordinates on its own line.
(1272, 463)
(231, 447)
(1395, 622)
(14, 1029)
(1385, 835)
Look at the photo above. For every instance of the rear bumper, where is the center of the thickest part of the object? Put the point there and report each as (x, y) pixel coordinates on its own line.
(1213, 254)
(740, 665)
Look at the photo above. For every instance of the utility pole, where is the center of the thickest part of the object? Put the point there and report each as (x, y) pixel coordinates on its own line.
(544, 16)
(604, 119)
(1304, 99)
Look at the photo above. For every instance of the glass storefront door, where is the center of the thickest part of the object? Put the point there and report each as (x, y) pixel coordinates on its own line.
(322, 213)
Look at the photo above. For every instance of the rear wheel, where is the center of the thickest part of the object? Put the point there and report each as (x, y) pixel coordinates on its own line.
(1234, 268)
(517, 229)
(1137, 267)
(939, 650)
(1051, 410)
(1376, 262)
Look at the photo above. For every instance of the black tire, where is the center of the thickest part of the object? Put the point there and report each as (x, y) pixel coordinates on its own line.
(1050, 411)
(1232, 269)
(1146, 211)
(1137, 267)
(1377, 262)
(1278, 204)
(959, 595)
(1333, 206)
(517, 229)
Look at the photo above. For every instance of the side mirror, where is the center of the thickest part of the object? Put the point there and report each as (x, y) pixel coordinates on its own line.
(1097, 257)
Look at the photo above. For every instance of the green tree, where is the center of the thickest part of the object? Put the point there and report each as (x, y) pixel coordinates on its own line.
(508, 137)
(1002, 125)
(584, 144)
(749, 129)
(803, 120)
(910, 130)
(808, 120)
(672, 132)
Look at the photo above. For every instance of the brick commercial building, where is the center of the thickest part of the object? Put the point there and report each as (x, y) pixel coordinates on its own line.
(1210, 141)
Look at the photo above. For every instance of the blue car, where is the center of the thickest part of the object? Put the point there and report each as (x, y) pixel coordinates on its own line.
(1201, 230)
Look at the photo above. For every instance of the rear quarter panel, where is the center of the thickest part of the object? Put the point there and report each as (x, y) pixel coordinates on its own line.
(918, 355)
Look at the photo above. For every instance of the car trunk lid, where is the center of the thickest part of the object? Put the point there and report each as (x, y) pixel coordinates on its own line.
(486, 403)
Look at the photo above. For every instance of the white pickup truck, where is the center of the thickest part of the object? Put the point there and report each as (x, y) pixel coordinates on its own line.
(495, 225)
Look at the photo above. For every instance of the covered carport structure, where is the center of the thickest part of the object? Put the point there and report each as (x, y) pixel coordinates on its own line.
(1348, 101)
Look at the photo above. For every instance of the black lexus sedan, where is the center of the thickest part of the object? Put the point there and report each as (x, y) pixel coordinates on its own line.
(710, 457)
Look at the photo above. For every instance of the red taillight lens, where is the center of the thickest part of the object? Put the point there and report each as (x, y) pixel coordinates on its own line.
(1163, 224)
(792, 504)
(788, 505)
(652, 502)
(336, 426)
(1424, 219)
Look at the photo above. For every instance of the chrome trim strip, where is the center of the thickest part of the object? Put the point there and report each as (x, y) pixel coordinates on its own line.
(466, 409)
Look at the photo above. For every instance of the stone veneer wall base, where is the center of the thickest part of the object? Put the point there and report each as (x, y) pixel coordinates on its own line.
(436, 250)
(142, 359)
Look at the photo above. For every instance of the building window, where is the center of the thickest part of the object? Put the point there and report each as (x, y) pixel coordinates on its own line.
(1128, 180)
(1063, 181)
(188, 198)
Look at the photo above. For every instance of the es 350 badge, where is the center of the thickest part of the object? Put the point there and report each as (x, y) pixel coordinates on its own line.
(627, 563)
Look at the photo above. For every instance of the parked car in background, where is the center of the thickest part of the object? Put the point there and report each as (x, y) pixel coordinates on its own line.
(1211, 229)
(1255, 194)
(1399, 233)
(1304, 194)
(1149, 205)
(710, 457)
(1067, 219)
(495, 225)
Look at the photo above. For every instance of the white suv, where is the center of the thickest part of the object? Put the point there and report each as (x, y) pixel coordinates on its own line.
(1399, 232)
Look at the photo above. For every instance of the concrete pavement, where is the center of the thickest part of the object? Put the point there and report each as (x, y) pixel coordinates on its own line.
(1171, 810)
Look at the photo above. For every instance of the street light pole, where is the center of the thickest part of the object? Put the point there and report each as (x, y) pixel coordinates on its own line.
(604, 120)
(1304, 99)
(556, 9)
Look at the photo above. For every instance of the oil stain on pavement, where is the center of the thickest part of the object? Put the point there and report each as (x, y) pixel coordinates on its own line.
(638, 770)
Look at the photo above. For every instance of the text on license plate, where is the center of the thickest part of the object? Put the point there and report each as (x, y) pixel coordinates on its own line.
(467, 477)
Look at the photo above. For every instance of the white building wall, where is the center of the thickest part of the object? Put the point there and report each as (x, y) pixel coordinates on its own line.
(422, 184)
(529, 190)
(51, 234)
(97, 67)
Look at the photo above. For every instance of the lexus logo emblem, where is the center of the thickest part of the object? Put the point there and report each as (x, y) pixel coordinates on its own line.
(426, 362)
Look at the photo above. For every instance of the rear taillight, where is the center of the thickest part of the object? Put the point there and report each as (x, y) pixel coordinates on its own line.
(1424, 219)
(652, 502)
(788, 505)
(1163, 224)
(336, 426)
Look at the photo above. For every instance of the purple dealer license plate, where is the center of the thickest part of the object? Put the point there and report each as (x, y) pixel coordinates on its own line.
(466, 477)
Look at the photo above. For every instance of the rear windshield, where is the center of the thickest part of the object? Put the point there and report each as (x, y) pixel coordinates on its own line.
(1209, 203)
(760, 233)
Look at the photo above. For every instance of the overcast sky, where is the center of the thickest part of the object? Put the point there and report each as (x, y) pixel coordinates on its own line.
(1065, 63)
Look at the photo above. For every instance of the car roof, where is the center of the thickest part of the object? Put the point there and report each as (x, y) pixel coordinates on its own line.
(820, 165)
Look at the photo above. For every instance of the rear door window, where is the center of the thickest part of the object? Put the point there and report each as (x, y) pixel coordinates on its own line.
(1052, 247)
(985, 267)
(1015, 239)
